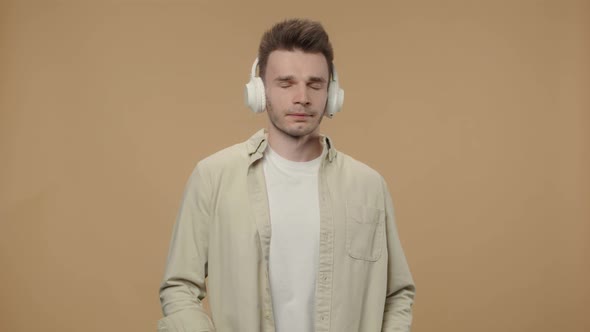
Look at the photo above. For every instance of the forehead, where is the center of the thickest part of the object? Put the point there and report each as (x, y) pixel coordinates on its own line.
(296, 63)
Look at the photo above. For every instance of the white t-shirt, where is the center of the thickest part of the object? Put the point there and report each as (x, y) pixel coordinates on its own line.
(292, 189)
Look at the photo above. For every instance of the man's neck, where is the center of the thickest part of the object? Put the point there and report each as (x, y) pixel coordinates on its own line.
(304, 148)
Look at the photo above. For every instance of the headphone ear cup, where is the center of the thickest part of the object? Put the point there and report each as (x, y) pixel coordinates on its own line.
(335, 99)
(254, 95)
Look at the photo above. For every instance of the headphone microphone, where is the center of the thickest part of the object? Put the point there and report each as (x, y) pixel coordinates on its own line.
(255, 98)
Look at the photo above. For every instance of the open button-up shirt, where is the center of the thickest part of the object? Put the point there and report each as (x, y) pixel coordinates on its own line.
(223, 232)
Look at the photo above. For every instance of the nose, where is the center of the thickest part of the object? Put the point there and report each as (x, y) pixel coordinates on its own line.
(301, 96)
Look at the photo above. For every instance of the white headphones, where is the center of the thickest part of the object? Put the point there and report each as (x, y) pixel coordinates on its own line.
(255, 99)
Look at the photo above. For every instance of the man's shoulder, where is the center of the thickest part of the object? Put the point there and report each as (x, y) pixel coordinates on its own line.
(235, 155)
(357, 168)
(231, 155)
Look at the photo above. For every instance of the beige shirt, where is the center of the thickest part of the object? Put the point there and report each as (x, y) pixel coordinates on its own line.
(223, 231)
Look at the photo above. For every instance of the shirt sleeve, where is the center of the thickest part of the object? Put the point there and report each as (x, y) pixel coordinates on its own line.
(401, 290)
(183, 286)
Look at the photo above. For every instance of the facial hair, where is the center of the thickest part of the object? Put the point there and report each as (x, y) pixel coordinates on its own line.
(275, 122)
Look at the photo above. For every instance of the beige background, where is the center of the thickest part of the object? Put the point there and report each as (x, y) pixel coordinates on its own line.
(476, 112)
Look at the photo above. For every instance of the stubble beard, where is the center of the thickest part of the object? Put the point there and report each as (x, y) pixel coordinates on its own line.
(294, 133)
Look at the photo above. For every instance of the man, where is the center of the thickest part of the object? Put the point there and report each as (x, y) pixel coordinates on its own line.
(292, 234)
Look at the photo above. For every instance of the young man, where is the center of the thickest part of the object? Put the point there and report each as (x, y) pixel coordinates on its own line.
(292, 234)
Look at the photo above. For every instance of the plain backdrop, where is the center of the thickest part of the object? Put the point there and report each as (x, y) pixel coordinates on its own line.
(477, 113)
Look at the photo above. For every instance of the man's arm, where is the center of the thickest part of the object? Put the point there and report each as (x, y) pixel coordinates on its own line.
(183, 286)
(400, 285)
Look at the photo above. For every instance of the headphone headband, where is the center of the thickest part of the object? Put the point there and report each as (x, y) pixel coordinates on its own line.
(254, 65)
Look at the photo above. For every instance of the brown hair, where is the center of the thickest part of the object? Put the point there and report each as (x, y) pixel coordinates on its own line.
(308, 36)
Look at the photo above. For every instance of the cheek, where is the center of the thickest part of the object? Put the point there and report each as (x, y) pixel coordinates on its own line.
(321, 97)
(275, 97)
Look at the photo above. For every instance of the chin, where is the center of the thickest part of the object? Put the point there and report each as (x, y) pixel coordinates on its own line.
(301, 132)
(295, 129)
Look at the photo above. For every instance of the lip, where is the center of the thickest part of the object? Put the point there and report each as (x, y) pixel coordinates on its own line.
(300, 115)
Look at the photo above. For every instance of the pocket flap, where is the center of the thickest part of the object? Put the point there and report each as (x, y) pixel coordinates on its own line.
(365, 232)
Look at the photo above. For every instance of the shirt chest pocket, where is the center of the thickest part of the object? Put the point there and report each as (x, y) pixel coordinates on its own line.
(364, 232)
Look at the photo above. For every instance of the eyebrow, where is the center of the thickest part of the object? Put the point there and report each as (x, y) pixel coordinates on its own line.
(317, 79)
(289, 78)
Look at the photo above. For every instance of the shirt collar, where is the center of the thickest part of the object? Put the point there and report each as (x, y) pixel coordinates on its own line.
(258, 142)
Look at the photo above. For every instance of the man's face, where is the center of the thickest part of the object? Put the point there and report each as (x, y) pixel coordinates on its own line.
(296, 87)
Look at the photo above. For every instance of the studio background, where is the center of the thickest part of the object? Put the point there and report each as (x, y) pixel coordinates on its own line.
(477, 113)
